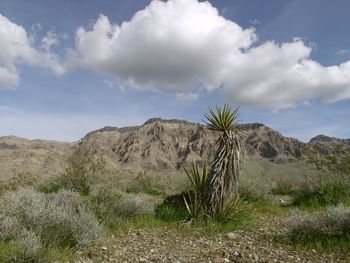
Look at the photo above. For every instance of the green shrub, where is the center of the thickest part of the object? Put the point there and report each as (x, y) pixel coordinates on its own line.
(132, 205)
(283, 187)
(58, 219)
(253, 191)
(29, 247)
(83, 170)
(145, 183)
(113, 206)
(328, 230)
(323, 190)
(103, 201)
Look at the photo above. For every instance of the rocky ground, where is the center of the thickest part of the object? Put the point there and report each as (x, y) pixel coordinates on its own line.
(172, 245)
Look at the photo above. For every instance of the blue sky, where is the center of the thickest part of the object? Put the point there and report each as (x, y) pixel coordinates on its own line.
(69, 67)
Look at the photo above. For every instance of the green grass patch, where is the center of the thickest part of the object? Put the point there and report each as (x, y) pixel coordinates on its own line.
(171, 213)
(11, 252)
(321, 243)
(325, 191)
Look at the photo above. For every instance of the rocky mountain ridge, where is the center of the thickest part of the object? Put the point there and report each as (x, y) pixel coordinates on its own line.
(160, 144)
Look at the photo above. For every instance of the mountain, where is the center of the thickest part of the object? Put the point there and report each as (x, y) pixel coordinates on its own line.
(37, 157)
(160, 144)
(164, 144)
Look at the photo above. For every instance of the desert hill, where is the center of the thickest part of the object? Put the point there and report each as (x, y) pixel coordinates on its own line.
(38, 157)
(168, 144)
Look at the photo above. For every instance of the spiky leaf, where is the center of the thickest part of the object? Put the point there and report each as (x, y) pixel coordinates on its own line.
(221, 119)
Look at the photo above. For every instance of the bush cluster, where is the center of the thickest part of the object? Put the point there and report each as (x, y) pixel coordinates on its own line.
(34, 221)
(113, 206)
(323, 190)
(329, 229)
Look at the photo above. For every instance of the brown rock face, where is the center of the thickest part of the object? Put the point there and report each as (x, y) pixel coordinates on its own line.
(158, 144)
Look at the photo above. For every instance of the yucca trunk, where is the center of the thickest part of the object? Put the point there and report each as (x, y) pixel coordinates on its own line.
(225, 169)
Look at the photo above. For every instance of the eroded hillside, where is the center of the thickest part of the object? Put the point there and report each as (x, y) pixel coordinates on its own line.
(171, 144)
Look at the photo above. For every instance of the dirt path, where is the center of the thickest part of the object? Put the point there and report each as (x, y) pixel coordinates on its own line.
(172, 245)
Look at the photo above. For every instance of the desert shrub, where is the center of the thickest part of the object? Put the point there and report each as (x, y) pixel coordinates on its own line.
(9, 227)
(283, 187)
(145, 183)
(57, 219)
(323, 190)
(104, 202)
(70, 219)
(112, 206)
(82, 171)
(253, 190)
(131, 205)
(18, 180)
(327, 230)
(28, 247)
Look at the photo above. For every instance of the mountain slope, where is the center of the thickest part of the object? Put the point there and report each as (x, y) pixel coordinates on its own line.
(159, 144)
(37, 157)
(165, 144)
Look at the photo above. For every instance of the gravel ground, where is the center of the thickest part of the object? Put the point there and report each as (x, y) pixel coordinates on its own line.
(171, 245)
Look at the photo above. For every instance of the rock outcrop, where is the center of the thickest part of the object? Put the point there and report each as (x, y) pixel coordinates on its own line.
(160, 144)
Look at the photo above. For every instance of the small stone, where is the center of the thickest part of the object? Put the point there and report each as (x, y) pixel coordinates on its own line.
(104, 248)
(232, 235)
(92, 254)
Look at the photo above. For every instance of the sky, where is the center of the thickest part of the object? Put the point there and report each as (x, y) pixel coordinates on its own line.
(70, 67)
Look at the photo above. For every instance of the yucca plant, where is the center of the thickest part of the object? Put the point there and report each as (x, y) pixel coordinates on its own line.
(196, 201)
(231, 207)
(215, 190)
(226, 167)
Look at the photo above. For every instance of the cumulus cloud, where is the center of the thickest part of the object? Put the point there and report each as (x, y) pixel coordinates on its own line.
(16, 48)
(182, 47)
(167, 47)
(172, 46)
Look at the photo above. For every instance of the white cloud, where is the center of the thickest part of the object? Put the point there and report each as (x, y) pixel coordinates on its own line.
(166, 47)
(49, 40)
(187, 96)
(16, 48)
(171, 46)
